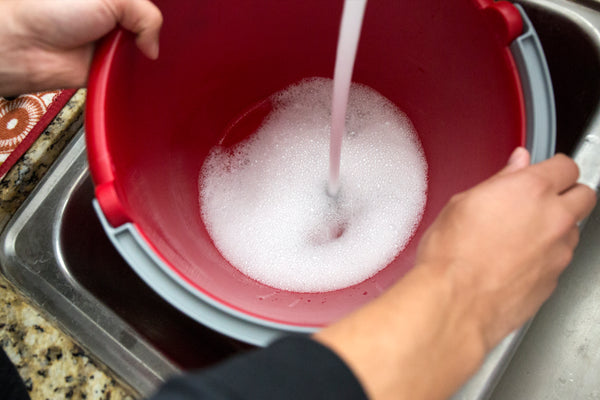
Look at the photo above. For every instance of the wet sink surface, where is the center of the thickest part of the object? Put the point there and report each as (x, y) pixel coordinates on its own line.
(56, 251)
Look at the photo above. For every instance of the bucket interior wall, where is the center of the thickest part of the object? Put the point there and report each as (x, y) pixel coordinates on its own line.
(439, 62)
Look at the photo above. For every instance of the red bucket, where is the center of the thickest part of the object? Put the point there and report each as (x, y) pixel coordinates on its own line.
(150, 125)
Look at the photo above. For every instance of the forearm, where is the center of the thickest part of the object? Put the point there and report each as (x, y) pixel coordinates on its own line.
(486, 264)
(418, 341)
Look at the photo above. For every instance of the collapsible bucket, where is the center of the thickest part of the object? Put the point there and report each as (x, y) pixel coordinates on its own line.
(470, 74)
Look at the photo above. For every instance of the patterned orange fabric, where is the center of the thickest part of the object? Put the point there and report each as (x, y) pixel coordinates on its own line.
(19, 116)
(22, 120)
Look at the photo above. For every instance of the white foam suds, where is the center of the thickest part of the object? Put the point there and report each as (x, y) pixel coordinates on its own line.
(264, 201)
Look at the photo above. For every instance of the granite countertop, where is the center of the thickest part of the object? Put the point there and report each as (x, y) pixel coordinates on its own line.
(52, 365)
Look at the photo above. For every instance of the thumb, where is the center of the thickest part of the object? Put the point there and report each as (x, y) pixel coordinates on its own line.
(144, 19)
(519, 159)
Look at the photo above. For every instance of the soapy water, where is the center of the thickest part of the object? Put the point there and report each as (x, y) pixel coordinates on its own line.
(265, 201)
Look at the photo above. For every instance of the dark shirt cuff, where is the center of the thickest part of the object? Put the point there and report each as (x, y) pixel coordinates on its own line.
(294, 367)
(11, 385)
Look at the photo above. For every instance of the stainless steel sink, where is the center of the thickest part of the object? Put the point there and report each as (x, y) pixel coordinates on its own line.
(55, 250)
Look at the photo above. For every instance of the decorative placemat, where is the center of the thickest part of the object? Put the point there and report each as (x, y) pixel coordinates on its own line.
(23, 119)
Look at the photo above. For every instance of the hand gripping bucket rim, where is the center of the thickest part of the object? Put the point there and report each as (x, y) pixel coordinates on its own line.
(148, 262)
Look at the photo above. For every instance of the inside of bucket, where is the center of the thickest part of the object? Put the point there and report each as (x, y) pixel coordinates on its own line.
(439, 62)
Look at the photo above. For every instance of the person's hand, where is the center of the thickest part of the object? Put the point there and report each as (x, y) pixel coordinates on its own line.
(485, 266)
(505, 242)
(48, 44)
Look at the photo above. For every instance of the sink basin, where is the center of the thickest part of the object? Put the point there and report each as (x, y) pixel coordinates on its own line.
(55, 250)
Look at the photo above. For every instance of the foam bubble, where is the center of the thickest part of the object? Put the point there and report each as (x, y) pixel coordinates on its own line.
(265, 205)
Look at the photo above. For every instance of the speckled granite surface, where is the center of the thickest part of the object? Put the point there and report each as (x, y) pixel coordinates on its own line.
(26, 173)
(51, 364)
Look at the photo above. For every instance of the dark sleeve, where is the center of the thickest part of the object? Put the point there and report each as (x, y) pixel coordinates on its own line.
(291, 368)
(11, 385)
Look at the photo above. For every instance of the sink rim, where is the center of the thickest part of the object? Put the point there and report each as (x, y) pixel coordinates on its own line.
(46, 279)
